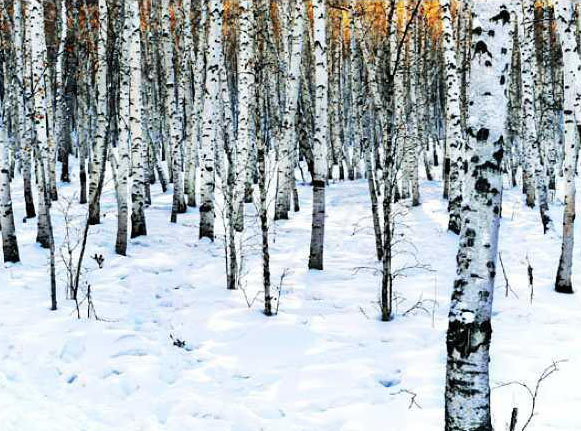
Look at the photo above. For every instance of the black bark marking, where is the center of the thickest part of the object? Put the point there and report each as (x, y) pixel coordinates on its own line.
(481, 48)
(466, 338)
(503, 16)
(482, 185)
(483, 134)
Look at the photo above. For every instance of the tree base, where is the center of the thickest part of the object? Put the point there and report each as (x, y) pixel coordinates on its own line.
(565, 288)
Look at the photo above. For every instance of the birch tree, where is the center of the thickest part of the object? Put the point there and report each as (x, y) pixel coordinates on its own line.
(320, 137)
(453, 119)
(246, 92)
(36, 44)
(98, 165)
(173, 135)
(123, 142)
(138, 150)
(530, 85)
(287, 142)
(210, 114)
(9, 239)
(24, 135)
(566, 16)
(469, 330)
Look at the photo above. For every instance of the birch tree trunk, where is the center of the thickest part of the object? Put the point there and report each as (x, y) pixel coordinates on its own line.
(9, 239)
(24, 135)
(37, 47)
(469, 330)
(187, 94)
(263, 206)
(62, 119)
(530, 87)
(565, 15)
(287, 142)
(138, 150)
(172, 119)
(320, 138)
(528, 159)
(199, 79)
(123, 142)
(98, 164)
(210, 114)
(246, 93)
(454, 137)
(514, 114)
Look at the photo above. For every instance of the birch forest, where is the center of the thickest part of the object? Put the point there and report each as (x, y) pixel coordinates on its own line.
(290, 215)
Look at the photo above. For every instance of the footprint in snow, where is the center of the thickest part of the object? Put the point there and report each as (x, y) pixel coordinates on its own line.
(389, 383)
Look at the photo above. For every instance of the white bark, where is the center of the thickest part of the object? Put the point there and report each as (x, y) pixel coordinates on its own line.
(210, 114)
(173, 137)
(36, 45)
(199, 79)
(246, 94)
(187, 94)
(9, 240)
(23, 134)
(287, 143)
(565, 18)
(530, 81)
(454, 137)
(320, 138)
(98, 165)
(138, 151)
(122, 145)
(469, 331)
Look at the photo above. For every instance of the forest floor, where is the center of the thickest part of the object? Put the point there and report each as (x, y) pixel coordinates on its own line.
(325, 362)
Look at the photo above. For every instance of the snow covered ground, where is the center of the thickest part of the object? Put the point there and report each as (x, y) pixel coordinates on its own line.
(324, 363)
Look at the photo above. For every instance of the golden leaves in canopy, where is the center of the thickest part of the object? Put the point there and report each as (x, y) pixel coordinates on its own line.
(375, 14)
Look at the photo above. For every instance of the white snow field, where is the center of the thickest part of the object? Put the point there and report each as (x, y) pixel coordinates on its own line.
(325, 362)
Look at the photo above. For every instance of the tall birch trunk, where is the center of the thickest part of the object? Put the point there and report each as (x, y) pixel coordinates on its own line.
(24, 134)
(469, 330)
(530, 81)
(138, 148)
(565, 15)
(172, 119)
(246, 93)
(210, 114)
(9, 239)
(287, 142)
(454, 137)
(123, 142)
(199, 79)
(320, 138)
(98, 164)
(37, 47)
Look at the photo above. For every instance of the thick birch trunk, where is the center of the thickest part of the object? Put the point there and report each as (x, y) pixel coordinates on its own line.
(9, 239)
(469, 330)
(566, 26)
(454, 137)
(210, 114)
